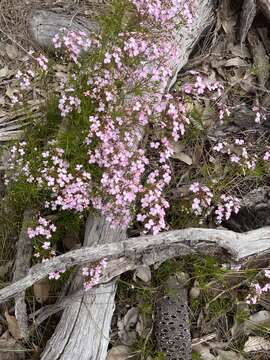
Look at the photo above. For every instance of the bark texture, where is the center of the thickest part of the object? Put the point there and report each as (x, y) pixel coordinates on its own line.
(148, 250)
(83, 331)
(22, 265)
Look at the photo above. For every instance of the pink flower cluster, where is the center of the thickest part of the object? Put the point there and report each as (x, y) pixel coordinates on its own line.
(176, 118)
(45, 228)
(43, 248)
(117, 154)
(42, 61)
(164, 11)
(203, 203)
(202, 84)
(227, 205)
(25, 79)
(136, 61)
(92, 275)
(74, 43)
(259, 114)
(16, 163)
(258, 290)
(203, 198)
(238, 153)
(69, 103)
(70, 189)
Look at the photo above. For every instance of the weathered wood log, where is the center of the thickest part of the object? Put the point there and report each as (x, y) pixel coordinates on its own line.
(22, 265)
(265, 7)
(83, 331)
(147, 250)
(45, 24)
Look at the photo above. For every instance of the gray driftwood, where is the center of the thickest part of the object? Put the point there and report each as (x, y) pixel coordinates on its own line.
(44, 24)
(86, 320)
(22, 266)
(147, 250)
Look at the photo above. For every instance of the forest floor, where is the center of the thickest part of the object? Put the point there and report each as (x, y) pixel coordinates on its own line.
(221, 322)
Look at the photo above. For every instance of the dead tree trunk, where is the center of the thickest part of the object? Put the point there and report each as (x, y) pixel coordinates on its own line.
(83, 331)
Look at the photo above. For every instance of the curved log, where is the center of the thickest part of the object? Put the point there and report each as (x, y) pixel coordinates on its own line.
(148, 250)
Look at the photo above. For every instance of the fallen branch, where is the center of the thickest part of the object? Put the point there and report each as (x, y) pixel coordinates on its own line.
(22, 265)
(147, 250)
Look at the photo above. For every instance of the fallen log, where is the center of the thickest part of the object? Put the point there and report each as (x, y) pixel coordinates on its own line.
(22, 265)
(85, 324)
(148, 250)
(45, 24)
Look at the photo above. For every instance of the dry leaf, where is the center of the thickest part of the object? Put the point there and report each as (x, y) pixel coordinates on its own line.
(258, 320)
(247, 16)
(10, 92)
(12, 52)
(239, 51)
(13, 326)
(42, 291)
(237, 61)
(261, 60)
(10, 349)
(184, 157)
(4, 72)
(228, 355)
(126, 326)
(204, 352)
(143, 273)
(120, 352)
(256, 343)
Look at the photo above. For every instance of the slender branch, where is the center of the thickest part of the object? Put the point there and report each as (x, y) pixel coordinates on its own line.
(147, 250)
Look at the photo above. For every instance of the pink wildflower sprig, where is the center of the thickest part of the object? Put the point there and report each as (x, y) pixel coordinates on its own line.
(259, 114)
(202, 85)
(202, 200)
(42, 236)
(226, 207)
(163, 12)
(153, 203)
(257, 289)
(204, 203)
(74, 43)
(92, 275)
(238, 152)
(69, 189)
